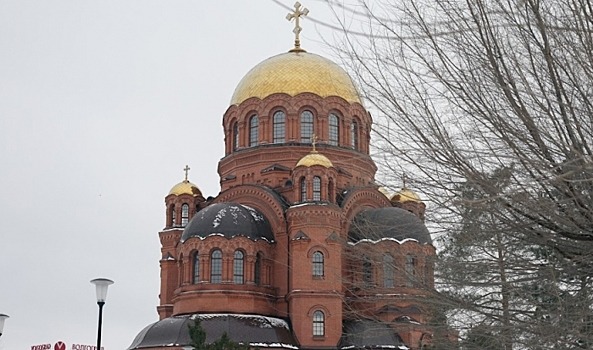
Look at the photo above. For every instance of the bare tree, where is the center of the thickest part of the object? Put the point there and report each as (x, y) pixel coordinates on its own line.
(462, 89)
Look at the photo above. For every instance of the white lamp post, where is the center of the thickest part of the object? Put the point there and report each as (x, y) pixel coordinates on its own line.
(3, 318)
(101, 285)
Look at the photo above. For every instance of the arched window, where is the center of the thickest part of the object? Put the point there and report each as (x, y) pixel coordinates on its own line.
(318, 323)
(307, 126)
(317, 260)
(367, 270)
(388, 269)
(216, 266)
(172, 211)
(303, 189)
(235, 136)
(410, 270)
(354, 134)
(238, 267)
(196, 266)
(253, 131)
(279, 127)
(257, 272)
(184, 214)
(330, 191)
(316, 188)
(334, 130)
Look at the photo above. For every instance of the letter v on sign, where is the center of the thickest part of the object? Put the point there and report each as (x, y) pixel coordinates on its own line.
(60, 346)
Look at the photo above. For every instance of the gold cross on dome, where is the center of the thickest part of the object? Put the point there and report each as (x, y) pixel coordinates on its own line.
(186, 169)
(314, 139)
(296, 15)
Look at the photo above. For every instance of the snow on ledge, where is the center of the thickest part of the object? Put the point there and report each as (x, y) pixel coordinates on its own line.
(366, 240)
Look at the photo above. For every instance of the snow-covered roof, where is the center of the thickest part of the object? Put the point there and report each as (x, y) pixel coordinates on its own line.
(255, 330)
(228, 220)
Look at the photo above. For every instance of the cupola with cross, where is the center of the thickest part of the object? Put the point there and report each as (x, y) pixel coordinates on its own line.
(315, 177)
(182, 202)
(408, 200)
(276, 109)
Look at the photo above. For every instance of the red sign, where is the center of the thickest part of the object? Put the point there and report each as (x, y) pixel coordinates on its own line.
(60, 345)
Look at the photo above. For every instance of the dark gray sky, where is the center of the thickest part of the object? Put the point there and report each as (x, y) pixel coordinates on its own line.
(102, 104)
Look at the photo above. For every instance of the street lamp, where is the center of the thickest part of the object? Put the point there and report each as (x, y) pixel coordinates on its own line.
(101, 285)
(3, 318)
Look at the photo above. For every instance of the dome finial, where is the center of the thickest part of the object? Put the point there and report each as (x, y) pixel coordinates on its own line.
(186, 169)
(405, 194)
(296, 15)
(314, 157)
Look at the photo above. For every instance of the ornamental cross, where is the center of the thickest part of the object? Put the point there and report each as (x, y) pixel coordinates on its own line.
(404, 178)
(314, 139)
(186, 169)
(296, 15)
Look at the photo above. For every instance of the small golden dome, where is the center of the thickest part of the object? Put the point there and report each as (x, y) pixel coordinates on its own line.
(314, 158)
(185, 187)
(385, 191)
(294, 73)
(405, 195)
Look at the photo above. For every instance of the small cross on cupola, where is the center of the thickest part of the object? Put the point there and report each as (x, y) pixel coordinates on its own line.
(186, 169)
(314, 139)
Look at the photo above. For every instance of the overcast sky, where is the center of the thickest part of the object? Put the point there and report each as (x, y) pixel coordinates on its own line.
(102, 104)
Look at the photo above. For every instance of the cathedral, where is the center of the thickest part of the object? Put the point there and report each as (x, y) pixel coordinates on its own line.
(301, 249)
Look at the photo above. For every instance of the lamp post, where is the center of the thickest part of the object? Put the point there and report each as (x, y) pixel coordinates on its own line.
(101, 285)
(3, 318)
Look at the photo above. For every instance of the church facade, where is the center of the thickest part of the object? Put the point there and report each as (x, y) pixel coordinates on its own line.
(301, 249)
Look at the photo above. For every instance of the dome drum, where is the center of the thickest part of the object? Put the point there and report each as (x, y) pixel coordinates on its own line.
(242, 298)
(280, 122)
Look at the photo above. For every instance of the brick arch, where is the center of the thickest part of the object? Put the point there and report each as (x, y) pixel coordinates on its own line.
(246, 110)
(276, 101)
(307, 100)
(338, 104)
(339, 99)
(230, 117)
(275, 108)
(311, 108)
(316, 248)
(257, 198)
(231, 112)
(339, 110)
(360, 199)
(250, 103)
(319, 307)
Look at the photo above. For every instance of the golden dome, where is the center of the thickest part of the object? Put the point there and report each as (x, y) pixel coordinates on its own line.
(293, 73)
(314, 158)
(405, 195)
(185, 187)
